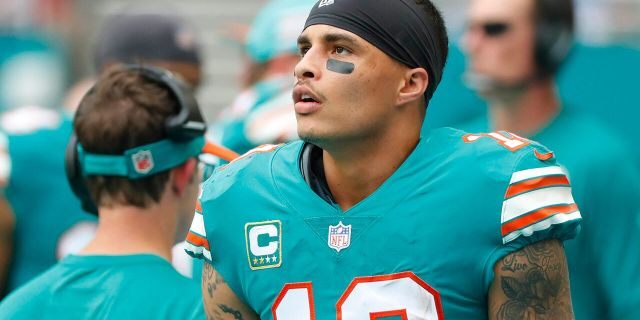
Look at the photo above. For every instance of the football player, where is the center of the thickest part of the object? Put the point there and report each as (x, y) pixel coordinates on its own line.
(367, 219)
(515, 49)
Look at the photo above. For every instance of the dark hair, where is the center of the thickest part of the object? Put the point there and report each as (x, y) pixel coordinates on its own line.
(124, 110)
(440, 32)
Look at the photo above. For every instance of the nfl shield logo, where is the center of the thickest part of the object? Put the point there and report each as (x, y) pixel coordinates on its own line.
(339, 236)
(142, 161)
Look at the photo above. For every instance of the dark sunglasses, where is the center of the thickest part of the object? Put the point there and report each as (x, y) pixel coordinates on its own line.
(495, 29)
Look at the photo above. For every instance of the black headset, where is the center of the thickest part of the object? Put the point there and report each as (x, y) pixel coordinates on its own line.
(554, 34)
(186, 125)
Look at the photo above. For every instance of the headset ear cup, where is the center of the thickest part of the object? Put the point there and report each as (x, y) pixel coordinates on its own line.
(553, 44)
(554, 34)
(188, 123)
(75, 177)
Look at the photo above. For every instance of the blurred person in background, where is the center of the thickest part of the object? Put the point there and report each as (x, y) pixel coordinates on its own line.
(41, 220)
(515, 49)
(263, 112)
(163, 40)
(132, 161)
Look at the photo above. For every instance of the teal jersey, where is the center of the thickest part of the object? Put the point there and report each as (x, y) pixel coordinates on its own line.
(603, 262)
(35, 185)
(422, 246)
(260, 115)
(141, 286)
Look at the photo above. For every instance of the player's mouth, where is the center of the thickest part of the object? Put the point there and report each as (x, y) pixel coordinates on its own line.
(305, 100)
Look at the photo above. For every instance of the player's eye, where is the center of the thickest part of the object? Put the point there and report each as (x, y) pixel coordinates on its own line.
(303, 50)
(341, 51)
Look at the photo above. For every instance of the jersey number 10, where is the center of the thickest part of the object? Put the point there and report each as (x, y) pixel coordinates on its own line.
(396, 296)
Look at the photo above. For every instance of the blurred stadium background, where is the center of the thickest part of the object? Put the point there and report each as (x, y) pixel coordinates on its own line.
(66, 29)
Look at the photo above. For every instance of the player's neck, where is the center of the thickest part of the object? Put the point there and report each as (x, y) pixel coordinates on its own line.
(527, 113)
(354, 171)
(124, 230)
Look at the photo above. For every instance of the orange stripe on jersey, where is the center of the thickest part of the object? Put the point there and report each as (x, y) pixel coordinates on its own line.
(198, 207)
(219, 151)
(536, 183)
(536, 216)
(543, 157)
(197, 240)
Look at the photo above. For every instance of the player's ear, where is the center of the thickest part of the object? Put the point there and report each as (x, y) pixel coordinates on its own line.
(183, 175)
(414, 85)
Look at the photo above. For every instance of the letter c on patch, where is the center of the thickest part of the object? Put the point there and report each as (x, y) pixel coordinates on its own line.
(256, 232)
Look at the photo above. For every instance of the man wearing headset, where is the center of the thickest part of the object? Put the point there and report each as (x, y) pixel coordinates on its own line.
(514, 50)
(34, 235)
(138, 133)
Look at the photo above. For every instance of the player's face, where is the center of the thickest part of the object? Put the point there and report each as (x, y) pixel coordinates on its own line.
(499, 39)
(346, 88)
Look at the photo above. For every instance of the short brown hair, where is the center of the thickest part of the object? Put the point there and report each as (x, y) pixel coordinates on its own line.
(124, 110)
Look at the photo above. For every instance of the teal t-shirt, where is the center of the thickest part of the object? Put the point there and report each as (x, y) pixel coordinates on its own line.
(141, 286)
(604, 262)
(423, 244)
(36, 187)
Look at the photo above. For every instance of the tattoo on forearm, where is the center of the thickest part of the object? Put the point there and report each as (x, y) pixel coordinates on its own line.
(223, 312)
(221, 305)
(211, 279)
(538, 287)
(237, 315)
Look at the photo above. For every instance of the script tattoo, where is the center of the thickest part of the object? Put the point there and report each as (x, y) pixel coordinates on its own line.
(237, 315)
(535, 282)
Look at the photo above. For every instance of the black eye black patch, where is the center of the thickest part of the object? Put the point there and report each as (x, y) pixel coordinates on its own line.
(340, 66)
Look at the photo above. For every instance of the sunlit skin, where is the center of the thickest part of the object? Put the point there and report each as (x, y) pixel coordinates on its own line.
(509, 57)
(368, 121)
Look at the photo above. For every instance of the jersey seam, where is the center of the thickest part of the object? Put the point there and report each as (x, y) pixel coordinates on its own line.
(498, 247)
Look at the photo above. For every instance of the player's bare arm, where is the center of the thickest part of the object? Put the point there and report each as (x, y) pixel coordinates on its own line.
(7, 222)
(220, 303)
(532, 283)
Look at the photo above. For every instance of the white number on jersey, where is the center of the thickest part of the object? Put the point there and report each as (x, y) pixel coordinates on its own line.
(404, 295)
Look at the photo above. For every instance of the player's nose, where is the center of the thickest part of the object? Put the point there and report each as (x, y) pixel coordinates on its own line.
(308, 67)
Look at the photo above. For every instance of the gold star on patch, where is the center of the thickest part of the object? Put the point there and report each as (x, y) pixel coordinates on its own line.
(255, 261)
(261, 260)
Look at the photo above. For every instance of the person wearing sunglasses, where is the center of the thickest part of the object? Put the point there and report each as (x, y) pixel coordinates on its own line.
(515, 50)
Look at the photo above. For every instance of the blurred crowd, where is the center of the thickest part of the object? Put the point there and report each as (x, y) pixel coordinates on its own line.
(239, 57)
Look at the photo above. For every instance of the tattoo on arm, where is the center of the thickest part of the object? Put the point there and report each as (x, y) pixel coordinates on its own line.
(237, 315)
(211, 279)
(533, 283)
(220, 303)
